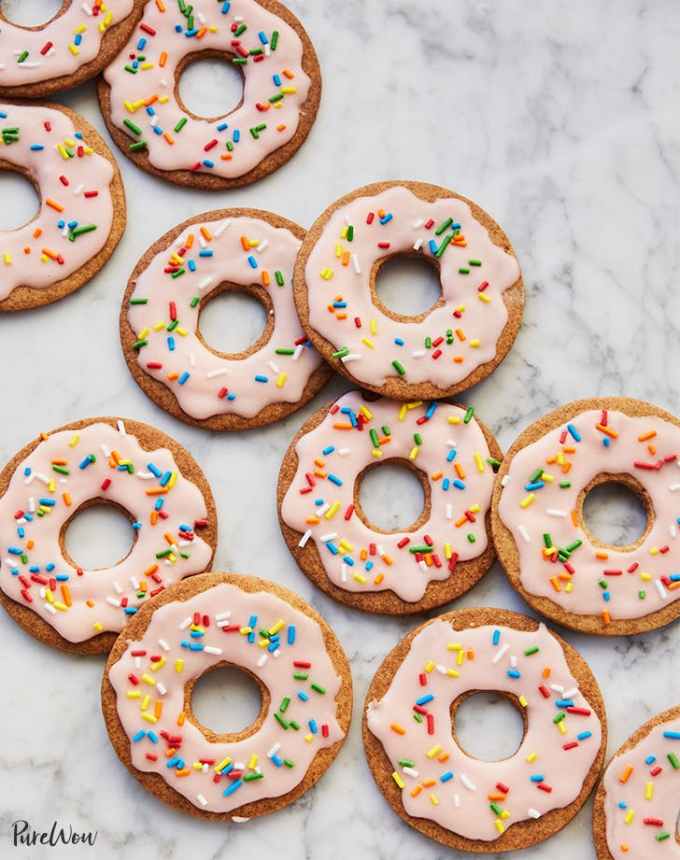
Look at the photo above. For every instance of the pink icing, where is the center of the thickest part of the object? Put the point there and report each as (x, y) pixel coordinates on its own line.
(53, 50)
(40, 499)
(227, 147)
(460, 803)
(283, 753)
(636, 582)
(41, 253)
(641, 806)
(319, 501)
(217, 385)
(340, 269)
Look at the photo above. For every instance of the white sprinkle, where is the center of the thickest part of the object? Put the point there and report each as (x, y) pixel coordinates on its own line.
(513, 661)
(569, 694)
(534, 813)
(144, 476)
(121, 427)
(673, 530)
(211, 649)
(505, 480)
(201, 800)
(409, 771)
(223, 226)
(162, 690)
(185, 623)
(78, 190)
(554, 512)
(343, 452)
(456, 800)
(556, 688)
(449, 511)
(263, 659)
(660, 588)
(305, 537)
(214, 373)
(273, 750)
(419, 353)
(113, 601)
(525, 534)
(322, 510)
(418, 224)
(500, 653)
(353, 356)
(262, 246)
(50, 608)
(329, 536)
(467, 782)
(418, 244)
(117, 588)
(164, 645)
(222, 615)
(239, 819)
(205, 282)
(274, 366)
(355, 264)
(674, 488)
(343, 572)
(299, 349)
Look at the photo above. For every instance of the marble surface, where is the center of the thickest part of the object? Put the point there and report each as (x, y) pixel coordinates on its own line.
(562, 121)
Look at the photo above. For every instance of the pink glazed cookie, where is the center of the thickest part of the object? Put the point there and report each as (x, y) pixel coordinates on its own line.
(636, 806)
(72, 47)
(132, 466)
(271, 634)
(435, 354)
(542, 540)
(435, 560)
(140, 101)
(245, 250)
(82, 204)
(465, 803)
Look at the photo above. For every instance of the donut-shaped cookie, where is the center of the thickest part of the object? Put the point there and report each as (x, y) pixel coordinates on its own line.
(636, 806)
(201, 624)
(72, 47)
(140, 100)
(550, 556)
(438, 558)
(138, 469)
(435, 354)
(82, 204)
(413, 751)
(246, 250)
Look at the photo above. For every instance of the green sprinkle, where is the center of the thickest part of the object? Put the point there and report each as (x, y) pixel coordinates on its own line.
(138, 146)
(443, 226)
(564, 485)
(284, 704)
(62, 470)
(131, 69)
(661, 837)
(642, 594)
(495, 808)
(559, 717)
(417, 438)
(399, 367)
(284, 351)
(278, 277)
(350, 233)
(274, 40)
(533, 650)
(406, 762)
(80, 231)
(22, 56)
(138, 344)
(494, 463)
(289, 762)
(276, 98)
(420, 548)
(318, 689)
(471, 538)
(239, 61)
(444, 245)
(374, 438)
(474, 262)
(417, 717)
(547, 541)
(164, 553)
(674, 760)
(386, 430)
(463, 271)
(177, 274)
(134, 128)
(180, 125)
(536, 476)
(300, 676)
(139, 301)
(340, 353)
(279, 719)
(294, 725)
(251, 777)
(194, 301)
(240, 29)
(468, 414)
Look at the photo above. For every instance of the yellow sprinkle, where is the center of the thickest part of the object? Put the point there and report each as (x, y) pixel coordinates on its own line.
(276, 628)
(74, 441)
(368, 342)
(97, 626)
(397, 778)
(500, 827)
(281, 379)
(649, 790)
(219, 767)
(532, 757)
(484, 298)
(527, 500)
(252, 764)
(429, 666)
(373, 326)
(360, 578)
(479, 462)
(148, 679)
(452, 673)
(327, 274)
(448, 552)
(309, 738)
(179, 665)
(454, 646)
(474, 343)
(434, 800)
(332, 511)
(523, 702)
(73, 49)
(134, 694)
(414, 452)
(149, 717)
(454, 419)
(630, 815)
(431, 753)
(366, 412)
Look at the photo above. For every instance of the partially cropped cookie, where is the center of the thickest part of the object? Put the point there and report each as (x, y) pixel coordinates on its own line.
(271, 634)
(152, 479)
(415, 757)
(242, 250)
(636, 806)
(548, 552)
(139, 94)
(82, 204)
(442, 555)
(72, 47)
(435, 354)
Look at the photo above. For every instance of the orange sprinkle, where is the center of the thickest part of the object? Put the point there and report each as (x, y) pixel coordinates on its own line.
(207, 235)
(266, 279)
(157, 491)
(37, 233)
(161, 5)
(54, 205)
(645, 437)
(400, 730)
(625, 776)
(163, 59)
(66, 594)
(67, 499)
(416, 791)
(169, 138)
(606, 618)
(607, 431)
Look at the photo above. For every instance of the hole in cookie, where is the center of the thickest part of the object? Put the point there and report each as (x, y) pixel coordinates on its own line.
(235, 321)
(30, 13)
(488, 726)
(407, 285)
(21, 201)
(98, 535)
(392, 496)
(226, 700)
(615, 514)
(209, 85)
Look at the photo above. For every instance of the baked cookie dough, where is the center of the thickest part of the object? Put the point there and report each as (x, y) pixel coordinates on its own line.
(550, 556)
(442, 555)
(72, 47)
(435, 354)
(138, 469)
(246, 250)
(139, 95)
(270, 633)
(636, 806)
(415, 757)
(82, 204)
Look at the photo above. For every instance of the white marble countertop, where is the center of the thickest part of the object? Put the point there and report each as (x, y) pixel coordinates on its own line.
(562, 121)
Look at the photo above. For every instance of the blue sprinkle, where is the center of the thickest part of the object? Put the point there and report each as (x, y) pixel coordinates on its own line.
(252, 261)
(537, 777)
(291, 634)
(496, 638)
(261, 378)
(230, 789)
(423, 700)
(335, 480)
(574, 432)
(583, 736)
(446, 777)
(183, 378)
(328, 450)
